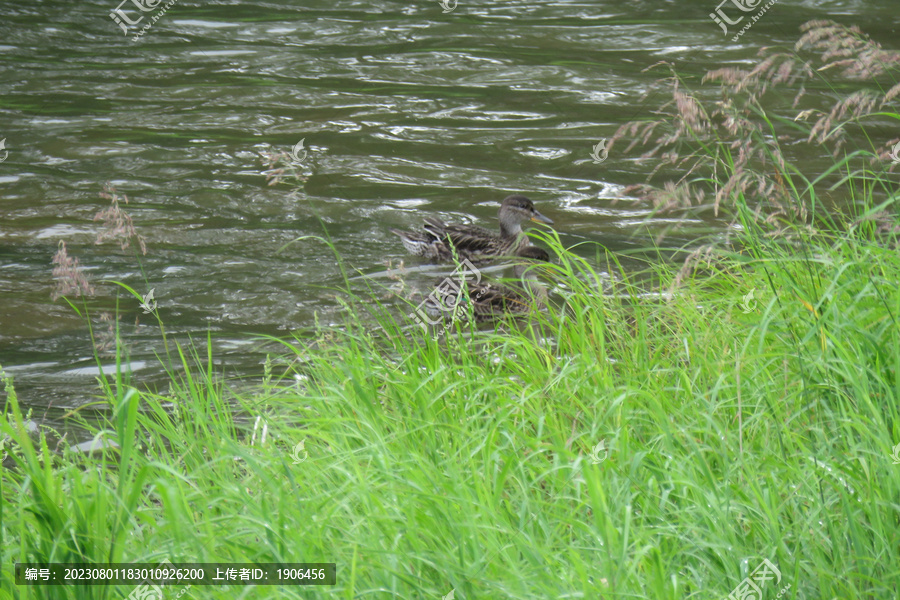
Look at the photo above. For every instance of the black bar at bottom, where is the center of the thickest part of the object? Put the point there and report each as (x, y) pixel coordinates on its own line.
(166, 573)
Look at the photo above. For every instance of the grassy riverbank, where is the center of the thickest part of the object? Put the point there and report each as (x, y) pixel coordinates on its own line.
(651, 435)
(734, 429)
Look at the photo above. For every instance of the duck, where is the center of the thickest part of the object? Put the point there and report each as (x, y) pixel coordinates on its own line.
(476, 244)
(490, 300)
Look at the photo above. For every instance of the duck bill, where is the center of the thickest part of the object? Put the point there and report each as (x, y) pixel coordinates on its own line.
(539, 218)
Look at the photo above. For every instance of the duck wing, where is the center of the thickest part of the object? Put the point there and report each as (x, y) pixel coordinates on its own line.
(470, 241)
(439, 227)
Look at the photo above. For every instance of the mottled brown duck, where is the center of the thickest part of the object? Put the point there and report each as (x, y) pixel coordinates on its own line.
(491, 300)
(438, 240)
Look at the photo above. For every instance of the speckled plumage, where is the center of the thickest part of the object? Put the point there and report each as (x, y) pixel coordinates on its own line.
(438, 240)
(490, 300)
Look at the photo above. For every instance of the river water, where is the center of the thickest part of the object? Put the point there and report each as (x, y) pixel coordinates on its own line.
(404, 109)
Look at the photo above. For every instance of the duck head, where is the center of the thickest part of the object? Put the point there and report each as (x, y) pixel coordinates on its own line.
(516, 210)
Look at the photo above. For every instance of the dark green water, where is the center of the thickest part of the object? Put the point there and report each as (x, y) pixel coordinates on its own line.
(405, 111)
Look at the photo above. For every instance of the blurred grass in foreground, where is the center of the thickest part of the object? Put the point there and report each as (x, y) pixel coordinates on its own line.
(735, 429)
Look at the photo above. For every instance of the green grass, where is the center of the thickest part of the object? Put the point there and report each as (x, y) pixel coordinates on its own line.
(653, 434)
(464, 463)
